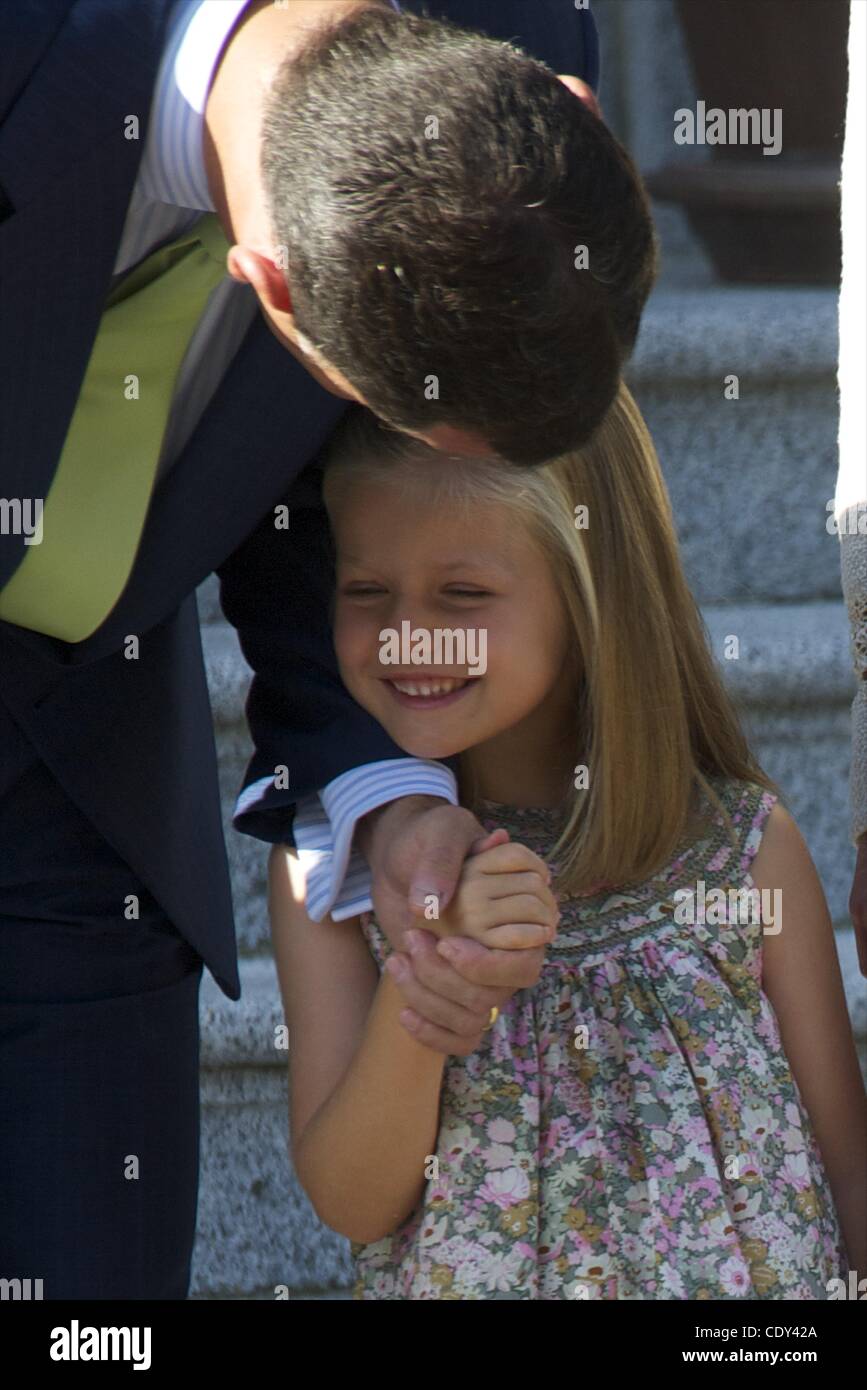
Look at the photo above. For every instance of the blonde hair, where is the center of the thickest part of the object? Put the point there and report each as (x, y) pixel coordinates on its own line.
(653, 717)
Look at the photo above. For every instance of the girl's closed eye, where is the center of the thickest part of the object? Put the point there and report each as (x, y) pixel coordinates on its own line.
(467, 592)
(368, 589)
(361, 589)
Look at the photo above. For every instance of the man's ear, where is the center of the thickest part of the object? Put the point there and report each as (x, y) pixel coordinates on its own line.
(267, 279)
(583, 92)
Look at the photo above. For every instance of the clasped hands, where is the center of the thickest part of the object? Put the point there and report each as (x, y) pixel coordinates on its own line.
(467, 913)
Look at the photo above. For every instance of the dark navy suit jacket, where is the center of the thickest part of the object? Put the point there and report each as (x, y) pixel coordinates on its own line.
(131, 742)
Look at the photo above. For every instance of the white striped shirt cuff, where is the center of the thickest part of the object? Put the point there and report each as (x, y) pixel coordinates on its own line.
(338, 879)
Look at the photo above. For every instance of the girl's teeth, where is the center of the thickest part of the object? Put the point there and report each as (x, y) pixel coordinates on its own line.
(427, 687)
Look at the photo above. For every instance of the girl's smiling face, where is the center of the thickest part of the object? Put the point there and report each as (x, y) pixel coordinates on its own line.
(444, 567)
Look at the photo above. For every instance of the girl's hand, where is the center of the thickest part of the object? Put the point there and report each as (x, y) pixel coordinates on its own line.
(503, 899)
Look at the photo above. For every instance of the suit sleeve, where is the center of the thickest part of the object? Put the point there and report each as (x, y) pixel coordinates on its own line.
(276, 591)
(308, 732)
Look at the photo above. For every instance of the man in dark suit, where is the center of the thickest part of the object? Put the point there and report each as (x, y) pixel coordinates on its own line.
(121, 123)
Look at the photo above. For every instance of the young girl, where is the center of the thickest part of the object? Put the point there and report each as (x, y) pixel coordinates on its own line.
(675, 1110)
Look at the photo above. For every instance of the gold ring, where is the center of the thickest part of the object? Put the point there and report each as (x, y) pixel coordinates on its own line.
(495, 1014)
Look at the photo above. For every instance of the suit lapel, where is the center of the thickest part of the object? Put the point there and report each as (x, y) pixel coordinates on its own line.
(25, 33)
(266, 422)
(66, 171)
(99, 70)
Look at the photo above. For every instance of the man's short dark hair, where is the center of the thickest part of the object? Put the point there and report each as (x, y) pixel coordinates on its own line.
(433, 188)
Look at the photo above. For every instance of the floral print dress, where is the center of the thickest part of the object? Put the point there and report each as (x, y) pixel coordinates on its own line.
(630, 1127)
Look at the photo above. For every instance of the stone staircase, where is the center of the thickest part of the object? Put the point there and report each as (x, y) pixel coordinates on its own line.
(749, 480)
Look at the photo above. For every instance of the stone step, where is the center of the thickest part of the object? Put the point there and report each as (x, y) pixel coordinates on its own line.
(749, 479)
(256, 1229)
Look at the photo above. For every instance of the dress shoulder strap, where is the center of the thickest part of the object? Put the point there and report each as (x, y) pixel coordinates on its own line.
(734, 846)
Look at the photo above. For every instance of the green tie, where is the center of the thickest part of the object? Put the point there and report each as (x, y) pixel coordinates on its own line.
(95, 510)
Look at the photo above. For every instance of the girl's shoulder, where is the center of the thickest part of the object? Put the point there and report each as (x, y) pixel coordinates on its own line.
(732, 823)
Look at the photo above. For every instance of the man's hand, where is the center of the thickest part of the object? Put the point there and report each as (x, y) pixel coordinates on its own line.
(450, 987)
(416, 848)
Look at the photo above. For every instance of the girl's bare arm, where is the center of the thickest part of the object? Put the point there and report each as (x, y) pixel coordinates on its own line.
(364, 1095)
(801, 977)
